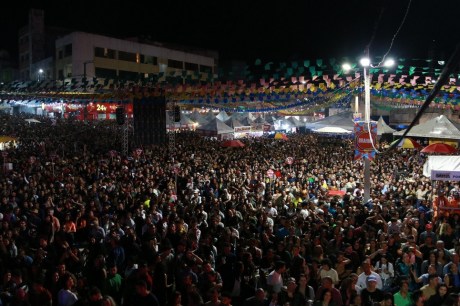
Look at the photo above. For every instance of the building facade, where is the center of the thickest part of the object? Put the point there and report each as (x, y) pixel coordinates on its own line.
(80, 55)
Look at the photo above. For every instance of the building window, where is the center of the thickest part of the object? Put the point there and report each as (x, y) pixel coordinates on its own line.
(68, 50)
(60, 74)
(206, 69)
(148, 59)
(104, 52)
(105, 73)
(60, 54)
(128, 75)
(191, 66)
(127, 56)
(175, 64)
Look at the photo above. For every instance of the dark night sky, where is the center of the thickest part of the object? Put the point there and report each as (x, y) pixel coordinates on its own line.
(250, 29)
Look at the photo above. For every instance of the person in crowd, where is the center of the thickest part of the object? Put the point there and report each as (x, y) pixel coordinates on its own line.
(371, 294)
(275, 278)
(72, 205)
(143, 296)
(440, 297)
(66, 296)
(259, 299)
(325, 299)
(328, 284)
(362, 278)
(430, 289)
(403, 296)
(452, 278)
(305, 291)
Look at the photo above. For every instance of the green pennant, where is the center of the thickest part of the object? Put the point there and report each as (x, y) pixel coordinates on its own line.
(374, 70)
(268, 66)
(258, 62)
(306, 63)
(312, 70)
(319, 62)
(290, 71)
(294, 65)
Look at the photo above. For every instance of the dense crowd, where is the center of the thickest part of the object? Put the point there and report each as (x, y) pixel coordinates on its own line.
(204, 225)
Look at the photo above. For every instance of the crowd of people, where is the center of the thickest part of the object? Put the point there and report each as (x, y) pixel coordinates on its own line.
(200, 224)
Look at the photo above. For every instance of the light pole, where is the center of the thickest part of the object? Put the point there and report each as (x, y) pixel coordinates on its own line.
(366, 63)
(40, 73)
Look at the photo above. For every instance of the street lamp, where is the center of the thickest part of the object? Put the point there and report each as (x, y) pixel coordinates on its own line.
(366, 63)
(40, 73)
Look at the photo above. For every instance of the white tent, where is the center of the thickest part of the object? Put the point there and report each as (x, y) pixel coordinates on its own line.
(332, 130)
(296, 122)
(223, 116)
(215, 127)
(197, 117)
(442, 168)
(342, 120)
(232, 122)
(439, 127)
(383, 128)
(32, 120)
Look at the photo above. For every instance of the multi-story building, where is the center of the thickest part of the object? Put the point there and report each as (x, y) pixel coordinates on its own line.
(36, 47)
(56, 53)
(90, 55)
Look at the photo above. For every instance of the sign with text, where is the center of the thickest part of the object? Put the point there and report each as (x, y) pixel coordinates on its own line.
(441, 175)
(365, 139)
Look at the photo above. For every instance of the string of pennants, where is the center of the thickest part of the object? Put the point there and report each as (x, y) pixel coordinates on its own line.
(266, 85)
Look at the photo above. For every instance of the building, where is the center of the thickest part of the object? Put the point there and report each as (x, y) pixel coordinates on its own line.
(36, 44)
(50, 53)
(80, 55)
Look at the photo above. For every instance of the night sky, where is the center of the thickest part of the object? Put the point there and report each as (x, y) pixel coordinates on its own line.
(249, 29)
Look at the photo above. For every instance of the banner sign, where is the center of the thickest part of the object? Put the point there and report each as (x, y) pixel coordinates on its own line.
(242, 129)
(440, 175)
(365, 141)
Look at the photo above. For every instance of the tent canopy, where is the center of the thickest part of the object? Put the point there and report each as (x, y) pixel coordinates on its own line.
(223, 116)
(442, 168)
(32, 120)
(342, 120)
(439, 127)
(332, 130)
(216, 126)
(383, 128)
